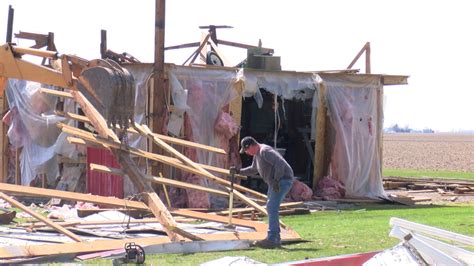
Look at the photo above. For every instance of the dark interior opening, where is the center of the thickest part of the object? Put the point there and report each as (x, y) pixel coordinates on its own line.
(293, 136)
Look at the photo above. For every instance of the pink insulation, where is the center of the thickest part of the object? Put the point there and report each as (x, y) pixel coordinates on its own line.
(330, 188)
(299, 192)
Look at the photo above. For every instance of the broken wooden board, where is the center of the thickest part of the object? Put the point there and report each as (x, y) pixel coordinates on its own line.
(56, 227)
(48, 193)
(154, 203)
(89, 137)
(160, 180)
(101, 245)
(259, 227)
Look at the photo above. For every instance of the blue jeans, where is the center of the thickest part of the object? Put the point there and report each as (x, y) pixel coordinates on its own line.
(273, 207)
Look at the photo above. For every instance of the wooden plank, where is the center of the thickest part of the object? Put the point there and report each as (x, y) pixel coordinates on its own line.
(3, 130)
(201, 171)
(156, 206)
(165, 138)
(160, 158)
(160, 180)
(62, 94)
(49, 193)
(154, 203)
(259, 227)
(394, 80)
(91, 140)
(101, 245)
(319, 145)
(56, 227)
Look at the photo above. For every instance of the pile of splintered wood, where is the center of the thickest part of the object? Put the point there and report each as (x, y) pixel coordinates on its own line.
(106, 138)
(443, 186)
(412, 187)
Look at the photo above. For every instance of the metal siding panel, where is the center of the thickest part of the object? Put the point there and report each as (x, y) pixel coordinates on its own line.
(101, 183)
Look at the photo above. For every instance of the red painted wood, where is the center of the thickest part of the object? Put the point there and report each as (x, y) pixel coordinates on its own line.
(103, 184)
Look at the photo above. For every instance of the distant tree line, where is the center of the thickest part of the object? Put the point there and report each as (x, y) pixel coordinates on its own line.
(397, 129)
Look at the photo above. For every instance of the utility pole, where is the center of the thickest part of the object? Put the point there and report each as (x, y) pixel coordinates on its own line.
(160, 92)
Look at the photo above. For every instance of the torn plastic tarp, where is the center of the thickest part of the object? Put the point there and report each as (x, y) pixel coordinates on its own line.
(33, 128)
(352, 109)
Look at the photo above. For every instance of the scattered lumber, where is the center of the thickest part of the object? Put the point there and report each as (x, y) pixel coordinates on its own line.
(106, 138)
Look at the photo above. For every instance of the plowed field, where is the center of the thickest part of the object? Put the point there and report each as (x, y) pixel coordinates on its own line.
(436, 152)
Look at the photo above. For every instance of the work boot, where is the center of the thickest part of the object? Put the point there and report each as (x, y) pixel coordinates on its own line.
(267, 244)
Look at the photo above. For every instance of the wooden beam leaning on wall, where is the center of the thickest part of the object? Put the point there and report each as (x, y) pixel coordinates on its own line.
(156, 205)
(160, 180)
(3, 131)
(89, 137)
(320, 156)
(145, 131)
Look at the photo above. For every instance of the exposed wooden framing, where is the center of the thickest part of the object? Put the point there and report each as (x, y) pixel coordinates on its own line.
(365, 49)
(154, 203)
(319, 148)
(203, 50)
(48, 193)
(56, 227)
(165, 138)
(194, 55)
(225, 61)
(161, 180)
(98, 142)
(199, 170)
(160, 158)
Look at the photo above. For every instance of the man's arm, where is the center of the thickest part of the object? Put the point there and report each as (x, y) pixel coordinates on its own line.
(249, 170)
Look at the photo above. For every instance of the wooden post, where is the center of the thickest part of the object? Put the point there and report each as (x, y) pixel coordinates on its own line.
(380, 126)
(319, 158)
(160, 85)
(17, 167)
(3, 130)
(11, 12)
(103, 43)
(367, 58)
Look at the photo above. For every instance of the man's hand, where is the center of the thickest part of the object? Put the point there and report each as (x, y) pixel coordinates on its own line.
(234, 169)
(276, 186)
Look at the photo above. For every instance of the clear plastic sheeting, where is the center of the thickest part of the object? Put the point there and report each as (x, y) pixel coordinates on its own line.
(33, 128)
(288, 85)
(202, 93)
(355, 159)
(208, 91)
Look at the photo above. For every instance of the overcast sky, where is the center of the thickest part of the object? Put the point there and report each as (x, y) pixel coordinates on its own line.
(430, 41)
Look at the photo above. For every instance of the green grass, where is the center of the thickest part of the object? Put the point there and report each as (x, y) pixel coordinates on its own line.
(427, 173)
(362, 229)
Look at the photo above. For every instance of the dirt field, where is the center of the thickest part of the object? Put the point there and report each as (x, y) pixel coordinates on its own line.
(438, 152)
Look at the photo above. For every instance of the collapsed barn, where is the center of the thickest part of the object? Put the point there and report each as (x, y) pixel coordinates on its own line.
(175, 134)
